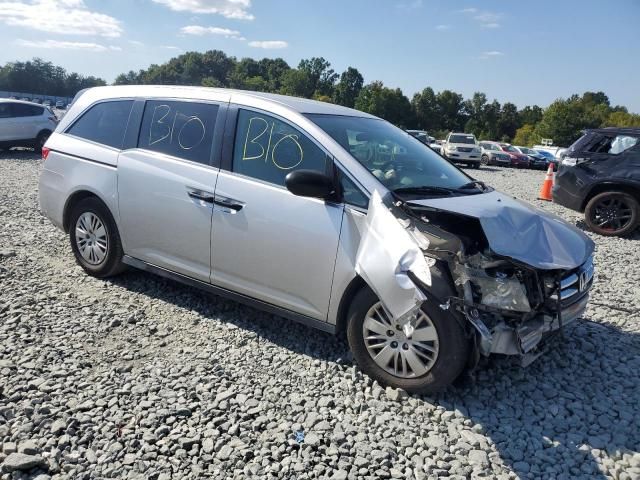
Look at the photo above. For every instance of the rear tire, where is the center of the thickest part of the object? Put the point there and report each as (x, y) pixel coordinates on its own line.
(41, 139)
(95, 240)
(612, 214)
(453, 347)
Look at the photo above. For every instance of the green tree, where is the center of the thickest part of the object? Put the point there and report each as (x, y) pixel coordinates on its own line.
(526, 136)
(531, 114)
(622, 119)
(386, 103)
(426, 111)
(451, 108)
(348, 88)
(320, 74)
(297, 83)
(508, 123)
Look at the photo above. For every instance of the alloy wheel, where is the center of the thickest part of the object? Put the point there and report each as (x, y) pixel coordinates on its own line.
(401, 355)
(612, 213)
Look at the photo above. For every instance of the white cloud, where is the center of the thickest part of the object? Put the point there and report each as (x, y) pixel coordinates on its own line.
(269, 44)
(136, 43)
(200, 31)
(171, 47)
(236, 9)
(443, 27)
(485, 18)
(70, 17)
(491, 54)
(62, 45)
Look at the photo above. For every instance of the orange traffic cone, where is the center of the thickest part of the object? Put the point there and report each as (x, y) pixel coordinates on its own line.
(545, 190)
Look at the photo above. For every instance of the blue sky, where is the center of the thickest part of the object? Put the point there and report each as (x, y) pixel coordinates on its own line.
(519, 51)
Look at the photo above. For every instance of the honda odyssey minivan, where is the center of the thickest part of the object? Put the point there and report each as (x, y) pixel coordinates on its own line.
(319, 213)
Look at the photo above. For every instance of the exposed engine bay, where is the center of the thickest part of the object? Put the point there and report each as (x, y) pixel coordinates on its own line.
(514, 273)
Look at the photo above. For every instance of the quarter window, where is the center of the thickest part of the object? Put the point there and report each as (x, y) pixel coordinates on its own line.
(25, 110)
(351, 194)
(268, 149)
(180, 129)
(104, 123)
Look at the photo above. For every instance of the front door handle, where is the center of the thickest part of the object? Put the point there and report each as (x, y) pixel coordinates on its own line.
(201, 195)
(228, 205)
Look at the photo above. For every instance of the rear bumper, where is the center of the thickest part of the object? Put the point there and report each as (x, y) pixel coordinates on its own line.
(51, 196)
(566, 191)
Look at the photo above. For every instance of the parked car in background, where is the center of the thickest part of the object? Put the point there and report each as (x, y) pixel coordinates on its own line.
(549, 157)
(600, 176)
(25, 124)
(517, 159)
(492, 154)
(60, 104)
(397, 234)
(462, 148)
(47, 103)
(425, 138)
(535, 159)
(420, 135)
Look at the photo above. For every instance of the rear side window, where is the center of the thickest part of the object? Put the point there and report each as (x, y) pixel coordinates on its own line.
(180, 129)
(24, 110)
(268, 149)
(104, 123)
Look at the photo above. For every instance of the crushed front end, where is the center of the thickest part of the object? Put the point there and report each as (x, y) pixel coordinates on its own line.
(514, 307)
(519, 274)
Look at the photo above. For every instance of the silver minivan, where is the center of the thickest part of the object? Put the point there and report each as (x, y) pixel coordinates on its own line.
(318, 213)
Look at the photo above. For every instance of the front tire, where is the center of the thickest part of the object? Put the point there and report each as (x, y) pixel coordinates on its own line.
(612, 214)
(484, 160)
(94, 239)
(427, 362)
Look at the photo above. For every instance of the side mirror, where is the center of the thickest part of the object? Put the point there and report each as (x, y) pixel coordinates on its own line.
(310, 183)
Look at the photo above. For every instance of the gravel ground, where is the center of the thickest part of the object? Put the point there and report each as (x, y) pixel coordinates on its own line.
(142, 378)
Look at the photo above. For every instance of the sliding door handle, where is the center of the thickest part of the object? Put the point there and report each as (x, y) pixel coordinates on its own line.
(201, 195)
(228, 205)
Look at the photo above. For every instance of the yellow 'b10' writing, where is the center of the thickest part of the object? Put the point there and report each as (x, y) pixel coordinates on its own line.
(260, 145)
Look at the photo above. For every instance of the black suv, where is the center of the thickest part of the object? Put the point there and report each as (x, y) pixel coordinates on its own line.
(600, 176)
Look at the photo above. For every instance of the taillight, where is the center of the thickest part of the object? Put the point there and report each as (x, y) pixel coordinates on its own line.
(45, 152)
(54, 119)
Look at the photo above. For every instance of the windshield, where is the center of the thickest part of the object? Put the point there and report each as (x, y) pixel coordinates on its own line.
(395, 158)
(462, 139)
(526, 150)
(509, 148)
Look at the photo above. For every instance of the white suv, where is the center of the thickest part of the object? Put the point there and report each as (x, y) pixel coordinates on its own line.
(25, 124)
(462, 148)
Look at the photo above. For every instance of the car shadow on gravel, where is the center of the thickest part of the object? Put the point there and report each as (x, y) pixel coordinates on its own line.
(562, 413)
(19, 154)
(582, 225)
(560, 416)
(278, 330)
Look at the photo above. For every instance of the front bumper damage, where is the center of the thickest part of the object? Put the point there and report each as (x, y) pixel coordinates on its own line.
(517, 275)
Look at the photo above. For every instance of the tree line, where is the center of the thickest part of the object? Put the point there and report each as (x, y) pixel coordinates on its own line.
(44, 78)
(435, 112)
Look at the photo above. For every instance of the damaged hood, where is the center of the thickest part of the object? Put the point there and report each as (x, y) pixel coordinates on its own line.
(520, 231)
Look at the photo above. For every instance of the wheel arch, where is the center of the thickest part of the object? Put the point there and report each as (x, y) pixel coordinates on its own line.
(75, 198)
(630, 188)
(357, 283)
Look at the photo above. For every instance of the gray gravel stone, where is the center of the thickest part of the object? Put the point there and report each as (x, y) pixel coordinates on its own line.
(22, 462)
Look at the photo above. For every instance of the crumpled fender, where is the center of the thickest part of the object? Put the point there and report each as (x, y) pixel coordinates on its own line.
(386, 254)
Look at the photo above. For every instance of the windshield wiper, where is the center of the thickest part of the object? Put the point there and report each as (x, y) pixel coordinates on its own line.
(473, 184)
(424, 189)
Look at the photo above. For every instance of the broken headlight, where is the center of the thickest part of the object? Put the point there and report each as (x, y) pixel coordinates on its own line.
(504, 292)
(495, 288)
